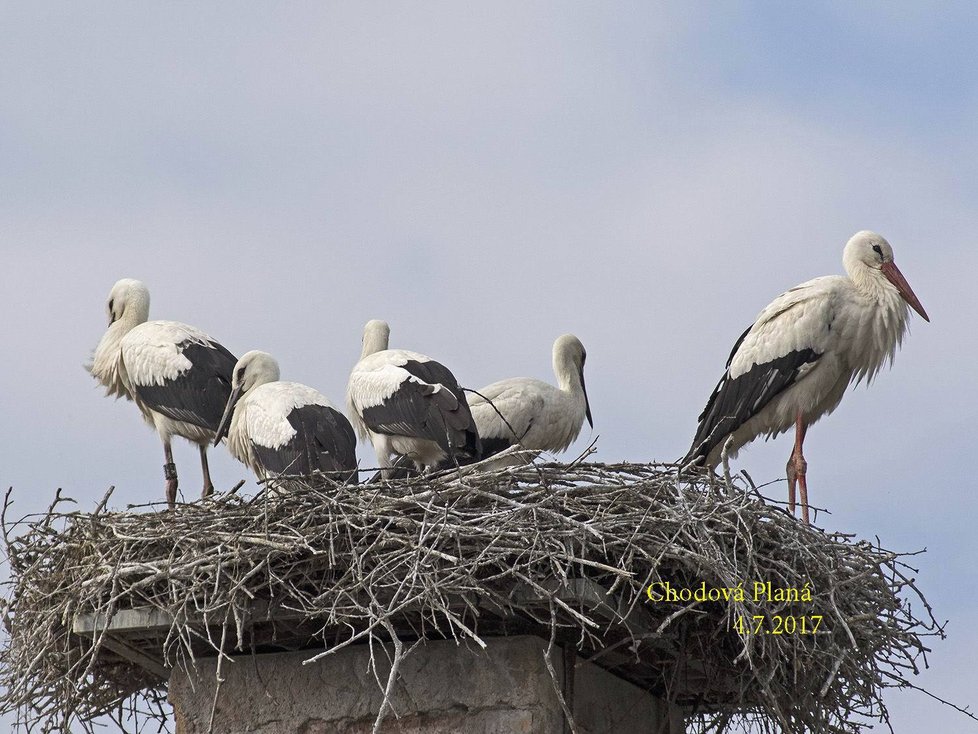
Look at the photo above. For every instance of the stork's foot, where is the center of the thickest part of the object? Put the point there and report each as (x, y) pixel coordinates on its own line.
(797, 469)
(207, 491)
(170, 474)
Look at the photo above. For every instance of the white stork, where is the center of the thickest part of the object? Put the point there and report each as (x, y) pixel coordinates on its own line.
(794, 363)
(284, 427)
(532, 413)
(177, 375)
(408, 405)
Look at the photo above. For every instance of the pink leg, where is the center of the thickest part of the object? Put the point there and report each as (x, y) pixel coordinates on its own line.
(170, 474)
(208, 485)
(797, 469)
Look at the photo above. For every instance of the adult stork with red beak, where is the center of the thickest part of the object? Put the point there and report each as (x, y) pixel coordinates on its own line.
(794, 363)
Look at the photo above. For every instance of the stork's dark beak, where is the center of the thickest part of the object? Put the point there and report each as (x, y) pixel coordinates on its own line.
(225, 424)
(893, 274)
(587, 405)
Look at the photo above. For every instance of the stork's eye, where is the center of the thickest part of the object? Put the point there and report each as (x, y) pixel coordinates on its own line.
(241, 375)
(111, 306)
(878, 250)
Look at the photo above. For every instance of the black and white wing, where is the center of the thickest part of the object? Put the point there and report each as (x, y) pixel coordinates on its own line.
(323, 440)
(400, 393)
(773, 354)
(178, 371)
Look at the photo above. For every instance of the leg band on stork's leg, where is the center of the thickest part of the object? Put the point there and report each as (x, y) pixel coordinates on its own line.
(169, 471)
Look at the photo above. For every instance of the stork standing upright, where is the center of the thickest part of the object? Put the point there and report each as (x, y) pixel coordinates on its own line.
(284, 427)
(531, 413)
(793, 364)
(178, 376)
(408, 405)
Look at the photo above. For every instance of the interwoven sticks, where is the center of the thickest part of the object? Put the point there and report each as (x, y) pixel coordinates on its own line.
(666, 581)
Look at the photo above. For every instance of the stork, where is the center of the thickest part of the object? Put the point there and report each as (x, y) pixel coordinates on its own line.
(793, 364)
(532, 413)
(407, 404)
(284, 427)
(178, 376)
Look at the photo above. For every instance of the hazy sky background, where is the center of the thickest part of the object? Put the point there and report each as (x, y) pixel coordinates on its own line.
(646, 176)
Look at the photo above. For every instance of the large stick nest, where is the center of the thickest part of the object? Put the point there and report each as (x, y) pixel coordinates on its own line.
(468, 557)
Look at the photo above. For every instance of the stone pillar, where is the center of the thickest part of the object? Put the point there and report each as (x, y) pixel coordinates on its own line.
(444, 689)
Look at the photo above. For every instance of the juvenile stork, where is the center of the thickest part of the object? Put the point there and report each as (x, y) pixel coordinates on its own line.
(177, 375)
(408, 405)
(794, 363)
(532, 413)
(284, 427)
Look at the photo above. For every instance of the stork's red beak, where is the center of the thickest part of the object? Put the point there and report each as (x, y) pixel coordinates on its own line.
(893, 274)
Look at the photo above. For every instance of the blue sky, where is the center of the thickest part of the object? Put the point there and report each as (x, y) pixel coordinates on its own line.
(645, 176)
